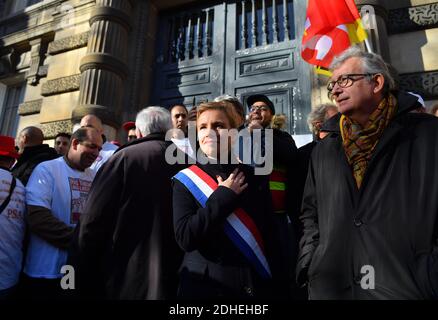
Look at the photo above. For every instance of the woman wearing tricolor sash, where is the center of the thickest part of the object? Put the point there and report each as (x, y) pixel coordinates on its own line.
(222, 218)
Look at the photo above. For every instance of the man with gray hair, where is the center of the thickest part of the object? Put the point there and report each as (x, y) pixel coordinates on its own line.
(318, 116)
(370, 224)
(315, 120)
(125, 247)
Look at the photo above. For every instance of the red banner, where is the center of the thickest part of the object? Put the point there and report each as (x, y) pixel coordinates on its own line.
(331, 27)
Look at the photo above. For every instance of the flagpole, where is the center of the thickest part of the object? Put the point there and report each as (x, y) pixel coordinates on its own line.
(368, 45)
(368, 32)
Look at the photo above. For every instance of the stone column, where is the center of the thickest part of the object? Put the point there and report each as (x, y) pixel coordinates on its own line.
(104, 69)
(376, 26)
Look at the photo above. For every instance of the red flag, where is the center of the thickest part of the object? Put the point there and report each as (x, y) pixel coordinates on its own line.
(331, 27)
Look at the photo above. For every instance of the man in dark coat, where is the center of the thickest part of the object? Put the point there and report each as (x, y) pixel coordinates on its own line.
(32, 152)
(282, 183)
(126, 246)
(370, 209)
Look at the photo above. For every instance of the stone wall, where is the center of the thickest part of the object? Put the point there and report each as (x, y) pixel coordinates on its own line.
(413, 39)
(78, 56)
(48, 40)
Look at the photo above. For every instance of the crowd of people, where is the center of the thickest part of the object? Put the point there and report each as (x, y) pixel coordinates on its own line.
(135, 225)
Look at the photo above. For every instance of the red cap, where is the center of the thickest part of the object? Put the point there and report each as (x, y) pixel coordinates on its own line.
(128, 125)
(7, 147)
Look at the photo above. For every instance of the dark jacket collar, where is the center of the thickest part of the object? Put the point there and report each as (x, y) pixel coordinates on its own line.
(29, 152)
(149, 137)
(405, 103)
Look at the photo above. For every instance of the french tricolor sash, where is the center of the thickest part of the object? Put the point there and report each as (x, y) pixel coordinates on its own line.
(239, 226)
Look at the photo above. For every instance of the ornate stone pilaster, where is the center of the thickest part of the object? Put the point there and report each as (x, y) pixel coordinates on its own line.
(375, 24)
(103, 68)
(35, 61)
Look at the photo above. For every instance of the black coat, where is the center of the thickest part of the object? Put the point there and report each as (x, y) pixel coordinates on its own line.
(391, 223)
(30, 158)
(126, 246)
(289, 228)
(304, 154)
(287, 225)
(285, 154)
(213, 267)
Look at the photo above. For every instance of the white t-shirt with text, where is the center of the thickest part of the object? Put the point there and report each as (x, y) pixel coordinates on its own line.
(107, 151)
(12, 228)
(63, 190)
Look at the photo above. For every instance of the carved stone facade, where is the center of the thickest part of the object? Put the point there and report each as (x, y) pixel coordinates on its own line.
(30, 107)
(413, 39)
(80, 56)
(51, 129)
(42, 71)
(61, 85)
(413, 18)
(424, 83)
(104, 68)
(405, 33)
(69, 43)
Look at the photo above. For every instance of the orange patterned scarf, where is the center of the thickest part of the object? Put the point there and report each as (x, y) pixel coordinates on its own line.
(359, 142)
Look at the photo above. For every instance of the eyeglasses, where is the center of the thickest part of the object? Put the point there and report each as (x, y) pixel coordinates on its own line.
(258, 108)
(346, 81)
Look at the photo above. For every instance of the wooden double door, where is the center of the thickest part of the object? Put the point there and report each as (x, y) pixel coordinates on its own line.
(238, 48)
